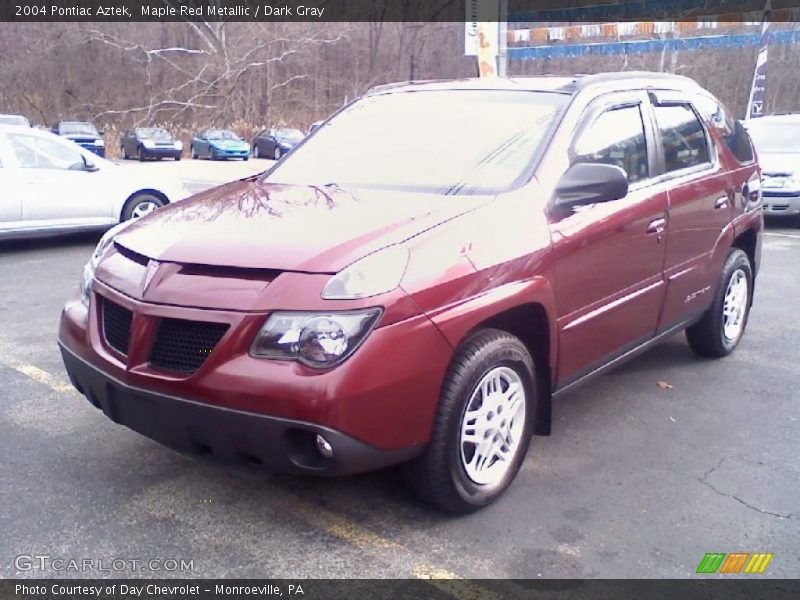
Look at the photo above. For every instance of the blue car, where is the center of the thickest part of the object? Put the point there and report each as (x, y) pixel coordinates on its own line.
(83, 133)
(218, 144)
(275, 142)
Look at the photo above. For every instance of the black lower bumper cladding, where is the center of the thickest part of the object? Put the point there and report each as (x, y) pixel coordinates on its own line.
(277, 444)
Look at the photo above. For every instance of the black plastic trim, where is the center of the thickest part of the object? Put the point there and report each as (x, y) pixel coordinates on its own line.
(277, 444)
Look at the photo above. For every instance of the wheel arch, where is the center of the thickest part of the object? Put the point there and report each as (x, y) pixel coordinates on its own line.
(525, 310)
(747, 241)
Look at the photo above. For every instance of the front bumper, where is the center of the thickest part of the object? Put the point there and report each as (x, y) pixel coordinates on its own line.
(379, 404)
(166, 152)
(783, 203)
(228, 153)
(280, 445)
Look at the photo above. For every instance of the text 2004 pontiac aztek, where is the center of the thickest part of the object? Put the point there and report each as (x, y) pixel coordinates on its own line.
(419, 278)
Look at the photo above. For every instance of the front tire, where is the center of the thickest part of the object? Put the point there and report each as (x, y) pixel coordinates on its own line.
(256, 152)
(142, 155)
(482, 427)
(721, 327)
(141, 205)
(124, 153)
(193, 152)
(277, 153)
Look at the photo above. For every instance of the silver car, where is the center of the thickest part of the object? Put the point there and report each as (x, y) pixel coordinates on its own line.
(777, 141)
(49, 184)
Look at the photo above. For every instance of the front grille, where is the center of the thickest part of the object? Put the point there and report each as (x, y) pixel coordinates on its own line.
(183, 346)
(116, 326)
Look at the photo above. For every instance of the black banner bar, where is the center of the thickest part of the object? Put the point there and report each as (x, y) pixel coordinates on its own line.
(520, 11)
(702, 588)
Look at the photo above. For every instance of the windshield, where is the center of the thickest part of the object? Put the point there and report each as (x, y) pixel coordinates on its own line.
(775, 137)
(14, 120)
(289, 134)
(70, 127)
(441, 141)
(222, 134)
(153, 133)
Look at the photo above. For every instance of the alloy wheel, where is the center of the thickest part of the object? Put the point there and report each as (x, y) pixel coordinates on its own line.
(492, 426)
(143, 208)
(734, 306)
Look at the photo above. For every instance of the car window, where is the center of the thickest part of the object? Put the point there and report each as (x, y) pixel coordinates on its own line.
(34, 152)
(732, 131)
(682, 136)
(776, 136)
(616, 138)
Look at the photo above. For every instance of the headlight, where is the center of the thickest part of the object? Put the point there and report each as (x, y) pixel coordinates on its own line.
(99, 143)
(178, 145)
(87, 276)
(317, 339)
(794, 180)
(376, 273)
(149, 144)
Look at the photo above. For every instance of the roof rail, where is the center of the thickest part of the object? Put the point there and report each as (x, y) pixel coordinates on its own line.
(396, 84)
(611, 77)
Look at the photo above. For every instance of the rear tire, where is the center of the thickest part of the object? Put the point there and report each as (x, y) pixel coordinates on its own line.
(193, 152)
(722, 326)
(489, 395)
(277, 153)
(124, 153)
(256, 152)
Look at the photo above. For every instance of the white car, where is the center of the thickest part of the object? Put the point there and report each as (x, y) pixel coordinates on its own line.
(51, 185)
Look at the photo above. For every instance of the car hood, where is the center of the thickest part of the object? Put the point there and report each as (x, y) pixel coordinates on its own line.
(249, 224)
(779, 163)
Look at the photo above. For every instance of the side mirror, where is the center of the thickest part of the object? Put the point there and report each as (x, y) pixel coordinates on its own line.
(589, 183)
(89, 166)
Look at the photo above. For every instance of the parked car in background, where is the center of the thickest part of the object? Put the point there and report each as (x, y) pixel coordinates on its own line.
(83, 133)
(150, 142)
(275, 142)
(219, 144)
(373, 300)
(51, 185)
(14, 120)
(777, 141)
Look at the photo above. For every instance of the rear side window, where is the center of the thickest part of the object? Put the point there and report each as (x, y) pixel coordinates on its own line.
(683, 137)
(732, 131)
(616, 138)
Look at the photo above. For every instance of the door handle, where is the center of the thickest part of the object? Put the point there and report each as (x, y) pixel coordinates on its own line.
(657, 226)
(721, 202)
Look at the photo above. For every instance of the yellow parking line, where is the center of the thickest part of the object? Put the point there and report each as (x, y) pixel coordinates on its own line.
(343, 528)
(334, 524)
(40, 376)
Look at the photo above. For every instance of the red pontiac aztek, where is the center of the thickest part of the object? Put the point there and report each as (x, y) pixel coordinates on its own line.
(417, 280)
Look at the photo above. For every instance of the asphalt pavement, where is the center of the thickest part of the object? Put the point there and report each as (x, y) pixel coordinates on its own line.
(648, 469)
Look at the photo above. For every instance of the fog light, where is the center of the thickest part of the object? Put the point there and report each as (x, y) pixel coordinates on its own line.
(324, 447)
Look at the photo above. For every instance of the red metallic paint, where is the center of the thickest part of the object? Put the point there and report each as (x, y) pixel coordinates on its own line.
(239, 252)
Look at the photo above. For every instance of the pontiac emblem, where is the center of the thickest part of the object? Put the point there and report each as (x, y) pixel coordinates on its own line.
(149, 273)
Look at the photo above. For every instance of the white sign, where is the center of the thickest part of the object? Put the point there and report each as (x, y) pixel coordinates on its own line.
(474, 12)
(471, 28)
